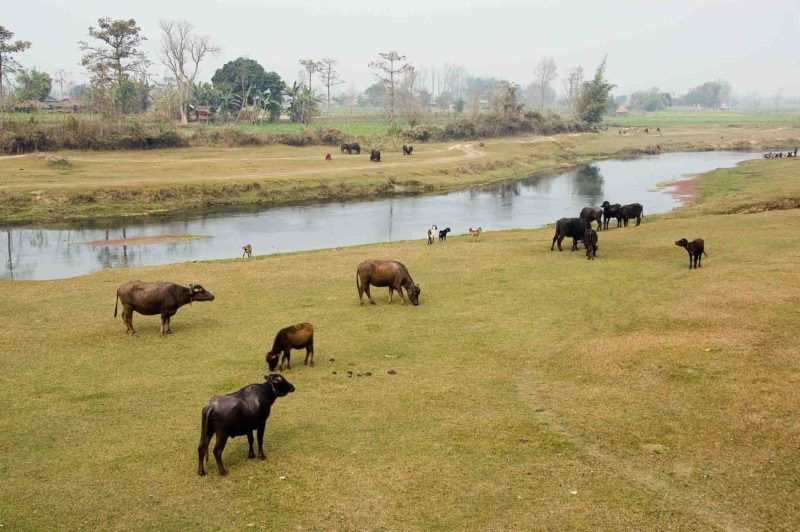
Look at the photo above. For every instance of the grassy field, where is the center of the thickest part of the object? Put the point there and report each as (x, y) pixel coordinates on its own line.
(532, 389)
(143, 183)
(680, 118)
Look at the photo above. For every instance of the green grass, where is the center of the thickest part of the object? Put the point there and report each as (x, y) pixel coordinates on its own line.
(534, 389)
(683, 117)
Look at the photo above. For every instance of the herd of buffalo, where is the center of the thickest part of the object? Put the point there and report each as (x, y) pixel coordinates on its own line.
(246, 411)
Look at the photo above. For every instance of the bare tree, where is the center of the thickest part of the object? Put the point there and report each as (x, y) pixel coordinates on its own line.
(312, 67)
(61, 78)
(572, 87)
(388, 69)
(7, 49)
(330, 76)
(545, 73)
(182, 51)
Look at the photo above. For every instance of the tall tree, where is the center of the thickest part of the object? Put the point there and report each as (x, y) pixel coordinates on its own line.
(7, 51)
(545, 73)
(117, 61)
(388, 69)
(311, 67)
(33, 85)
(182, 51)
(248, 80)
(572, 86)
(594, 96)
(61, 78)
(330, 76)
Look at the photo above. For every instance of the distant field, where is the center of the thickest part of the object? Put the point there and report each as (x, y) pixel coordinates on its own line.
(675, 118)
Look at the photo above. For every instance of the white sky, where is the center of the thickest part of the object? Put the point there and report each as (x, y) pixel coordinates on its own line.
(672, 44)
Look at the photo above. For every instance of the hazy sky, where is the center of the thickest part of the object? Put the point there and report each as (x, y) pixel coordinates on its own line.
(672, 44)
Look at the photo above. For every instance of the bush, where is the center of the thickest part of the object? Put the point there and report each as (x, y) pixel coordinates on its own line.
(331, 137)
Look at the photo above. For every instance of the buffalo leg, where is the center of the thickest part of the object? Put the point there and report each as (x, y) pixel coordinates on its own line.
(699, 260)
(400, 291)
(219, 446)
(553, 245)
(260, 434)
(250, 453)
(287, 357)
(310, 350)
(574, 244)
(638, 220)
(690, 261)
(369, 295)
(127, 317)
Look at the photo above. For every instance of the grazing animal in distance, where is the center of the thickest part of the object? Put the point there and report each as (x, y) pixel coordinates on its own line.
(634, 210)
(590, 241)
(328, 157)
(375, 156)
(388, 273)
(407, 150)
(239, 414)
(443, 234)
(695, 249)
(345, 148)
(432, 233)
(248, 250)
(611, 211)
(592, 214)
(293, 337)
(475, 233)
(156, 298)
(355, 147)
(574, 228)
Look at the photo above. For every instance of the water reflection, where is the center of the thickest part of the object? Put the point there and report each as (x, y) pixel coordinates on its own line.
(39, 253)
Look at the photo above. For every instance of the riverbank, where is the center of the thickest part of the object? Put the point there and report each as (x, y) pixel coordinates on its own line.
(137, 185)
(679, 412)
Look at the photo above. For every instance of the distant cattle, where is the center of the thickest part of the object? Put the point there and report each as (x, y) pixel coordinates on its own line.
(375, 156)
(592, 214)
(353, 147)
(293, 337)
(239, 414)
(629, 212)
(475, 234)
(590, 241)
(388, 273)
(574, 228)
(611, 211)
(156, 298)
(443, 234)
(695, 249)
(407, 150)
(248, 250)
(432, 234)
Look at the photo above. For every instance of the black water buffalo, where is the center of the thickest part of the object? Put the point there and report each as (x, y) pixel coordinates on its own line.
(628, 212)
(294, 337)
(592, 214)
(239, 414)
(443, 234)
(695, 249)
(611, 211)
(345, 148)
(353, 147)
(375, 156)
(590, 241)
(407, 150)
(386, 273)
(574, 228)
(156, 298)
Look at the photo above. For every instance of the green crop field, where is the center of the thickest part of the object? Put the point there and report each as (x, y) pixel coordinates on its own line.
(530, 389)
(680, 118)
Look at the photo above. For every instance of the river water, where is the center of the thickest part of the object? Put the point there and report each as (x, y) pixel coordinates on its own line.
(51, 253)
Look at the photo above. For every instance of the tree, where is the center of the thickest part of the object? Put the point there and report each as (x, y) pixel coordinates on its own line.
(545, 73)
(572, 87)
(505, 101)
(303, 104)
(33, 85)
(330, 76)
(248, 79)
(709, 95)
(375, 95)
(651, 100)
(116, 62)
(311, 67)
(61, 78)
(182, 51)
(388, 68)
(7, 51)
(595, 95)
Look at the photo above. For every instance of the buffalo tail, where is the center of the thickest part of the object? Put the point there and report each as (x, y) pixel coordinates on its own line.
(116, 304)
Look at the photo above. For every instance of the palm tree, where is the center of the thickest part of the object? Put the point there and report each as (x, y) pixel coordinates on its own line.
(303, 105)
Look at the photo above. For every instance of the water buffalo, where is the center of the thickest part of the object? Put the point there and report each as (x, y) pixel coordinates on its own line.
(294, 337)
(239, 414)
(592, 214)
(355, 147)
(611, 211)
(443, 234)
(375, 156)
(408, 150)
(156, 298)
(695, 249)
(574, 228)
(345, 148)
(628, 212)
(248, 250)
(590, 241)
(385, 273)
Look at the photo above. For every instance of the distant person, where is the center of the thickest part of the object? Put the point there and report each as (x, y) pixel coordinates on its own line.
(328, 157)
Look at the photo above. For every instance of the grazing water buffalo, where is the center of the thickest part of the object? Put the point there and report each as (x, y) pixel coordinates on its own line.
(375, 156)
(574, 228)
(592, 214)
(294, 337)
(248, 250)
(628, 212)
(353, 147)
(475, 234)
(590, 240)
(695, 249)
(156, 298)
(407, 150)
(239, 414)
(386, 273)
(611, 211)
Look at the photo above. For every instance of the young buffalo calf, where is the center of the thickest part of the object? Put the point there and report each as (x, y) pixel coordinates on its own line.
(294, 337)
(695, 248)
(239, 414)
